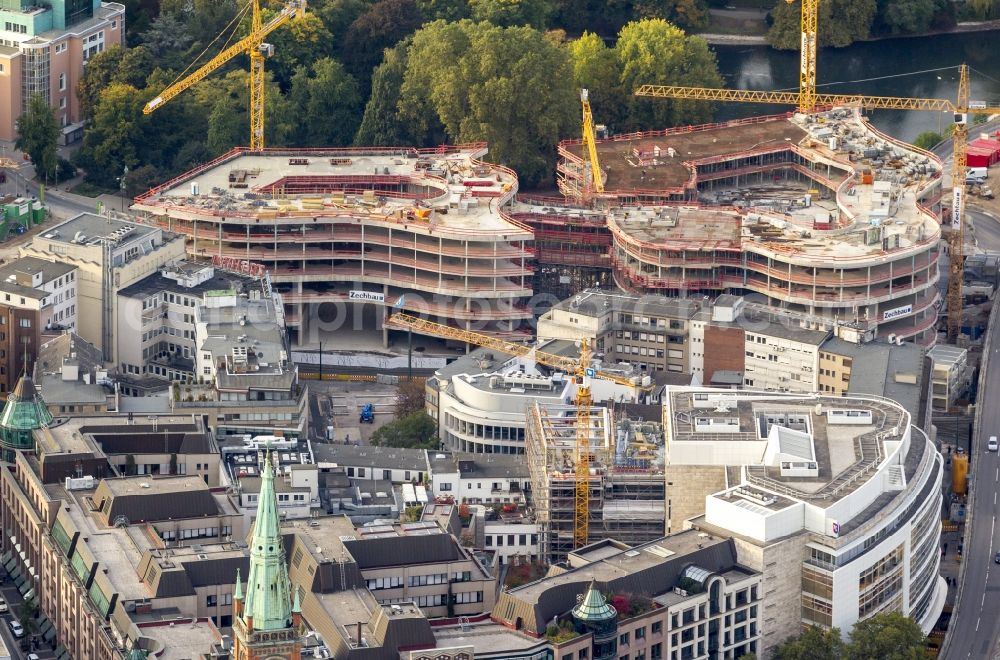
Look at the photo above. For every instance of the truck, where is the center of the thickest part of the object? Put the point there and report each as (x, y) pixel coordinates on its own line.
(977, 173)
(367, 414)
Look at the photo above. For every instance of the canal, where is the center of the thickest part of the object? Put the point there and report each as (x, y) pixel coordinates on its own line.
(851, 69)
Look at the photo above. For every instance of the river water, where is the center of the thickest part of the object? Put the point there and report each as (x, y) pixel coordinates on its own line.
(848, 69)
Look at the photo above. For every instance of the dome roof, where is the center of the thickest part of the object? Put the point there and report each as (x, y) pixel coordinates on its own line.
(25, 410)
(593, 607)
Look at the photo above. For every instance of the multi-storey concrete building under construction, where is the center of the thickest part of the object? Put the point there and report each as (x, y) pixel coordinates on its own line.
(626, 477)
(344, 232)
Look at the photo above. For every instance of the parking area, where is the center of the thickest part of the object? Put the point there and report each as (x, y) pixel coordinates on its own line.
(340, 403)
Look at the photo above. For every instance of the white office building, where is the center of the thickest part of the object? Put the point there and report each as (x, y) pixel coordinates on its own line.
(835, 500)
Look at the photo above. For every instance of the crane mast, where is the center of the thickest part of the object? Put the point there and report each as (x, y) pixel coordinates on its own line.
(253, 46)
(956, 260)
(590, 140)
(583, 401)
(807, 100)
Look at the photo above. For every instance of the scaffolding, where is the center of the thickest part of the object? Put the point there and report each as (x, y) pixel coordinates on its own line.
(627, 488)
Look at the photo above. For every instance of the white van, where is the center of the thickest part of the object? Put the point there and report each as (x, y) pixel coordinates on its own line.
(977, 173)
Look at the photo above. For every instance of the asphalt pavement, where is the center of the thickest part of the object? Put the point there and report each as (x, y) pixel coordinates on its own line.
(974, 632)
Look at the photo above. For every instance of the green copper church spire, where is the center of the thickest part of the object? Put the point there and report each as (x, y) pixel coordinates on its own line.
(269, 591)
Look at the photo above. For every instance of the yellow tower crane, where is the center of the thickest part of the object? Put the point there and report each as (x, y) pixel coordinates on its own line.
(807, 100)
(584, 400)
(590, 141)
(252, 45)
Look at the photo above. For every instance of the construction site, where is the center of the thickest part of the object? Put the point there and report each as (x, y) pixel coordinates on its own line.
(818, 213)
(626, 477)
(423, 230)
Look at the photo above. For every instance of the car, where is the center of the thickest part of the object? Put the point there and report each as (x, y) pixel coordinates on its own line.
(997, 558)
(15, 627)
(991, 444)
(3, 606)
(33, 656)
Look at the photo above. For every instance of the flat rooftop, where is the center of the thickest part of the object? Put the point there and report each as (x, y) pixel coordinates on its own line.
(183, 639)
(807, 431)
(486, 638)
(245, 184)
(626, 174)
(783, 216)
(88, 227)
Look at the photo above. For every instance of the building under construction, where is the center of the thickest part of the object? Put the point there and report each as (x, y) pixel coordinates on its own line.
(819, 213)
(626, 477)
(345, 233)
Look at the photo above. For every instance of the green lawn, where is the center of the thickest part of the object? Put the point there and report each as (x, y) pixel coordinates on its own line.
(90, 190)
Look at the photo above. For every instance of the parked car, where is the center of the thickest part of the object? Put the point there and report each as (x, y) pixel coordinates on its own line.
(15, 627)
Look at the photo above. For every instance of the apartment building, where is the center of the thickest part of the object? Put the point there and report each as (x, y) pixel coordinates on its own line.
(297, 490)
(681, 596)
(398, 563)
(43, 50)
(70, 375)
(399, 466)
(109, 255)
(245, 382)
(835, 500)
(470, 478)
(782, 359)
(36, 296)
(93, 553)
(652, 332)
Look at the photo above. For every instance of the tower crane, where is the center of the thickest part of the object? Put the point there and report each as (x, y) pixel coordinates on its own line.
(252, 45)
(584, 399)
(590, 140)
(807, 100)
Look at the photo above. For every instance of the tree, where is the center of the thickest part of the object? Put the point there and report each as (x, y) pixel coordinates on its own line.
(410, 395)
(416, 430)
(303, 40)
(841, 22)
(27, 611)
(686, 13)
(928, 139)
(814, 643)
(166, 36)
(380, 125)
(412, 513)
(113, 137)
(327, 104)
(510, 87)
(38, 136)
(653, 51)
(512, 12)
(887, 636)
(385, 24)
(130, 66)
(906, 16)
(448, 10)
(596, 68)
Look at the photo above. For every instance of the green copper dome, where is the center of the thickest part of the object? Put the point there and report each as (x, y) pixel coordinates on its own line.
(593, 607)
(24, 412)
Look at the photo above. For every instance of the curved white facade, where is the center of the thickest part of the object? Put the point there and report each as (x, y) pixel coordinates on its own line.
(845, 490)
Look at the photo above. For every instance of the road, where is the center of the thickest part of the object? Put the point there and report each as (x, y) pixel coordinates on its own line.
(973, 632)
